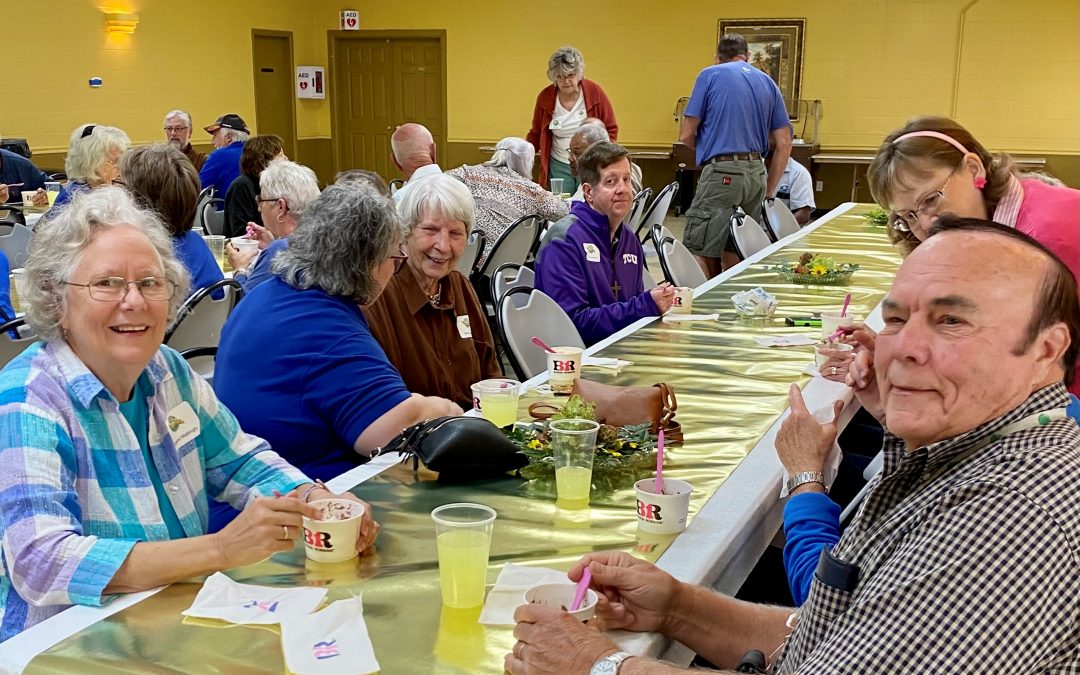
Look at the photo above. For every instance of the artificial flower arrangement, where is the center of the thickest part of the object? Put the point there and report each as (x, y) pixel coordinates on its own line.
(623, 454)
(812, 268)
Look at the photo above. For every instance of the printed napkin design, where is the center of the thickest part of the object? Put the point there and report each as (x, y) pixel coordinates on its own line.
(333, 641)
(224, 599)
(507, 594)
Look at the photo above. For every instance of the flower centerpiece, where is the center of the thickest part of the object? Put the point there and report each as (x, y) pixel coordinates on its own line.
(877, 216)
(812, 268)
(622, 453)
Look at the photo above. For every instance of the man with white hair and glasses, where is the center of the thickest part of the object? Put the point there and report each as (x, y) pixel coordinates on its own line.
(178, 134)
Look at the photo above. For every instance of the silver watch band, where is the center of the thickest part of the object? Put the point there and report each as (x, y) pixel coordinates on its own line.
(804, 478)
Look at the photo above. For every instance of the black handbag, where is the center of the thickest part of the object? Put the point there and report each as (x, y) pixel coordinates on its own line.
(458, 447)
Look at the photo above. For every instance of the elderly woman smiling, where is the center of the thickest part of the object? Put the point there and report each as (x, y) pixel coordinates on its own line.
(428, 320)
(93, 160)
(110, 444)
(325, 396)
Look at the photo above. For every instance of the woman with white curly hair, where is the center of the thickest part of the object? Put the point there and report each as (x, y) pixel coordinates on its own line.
(504, 190)
(561, 108)
(111, 444)
(93, 160)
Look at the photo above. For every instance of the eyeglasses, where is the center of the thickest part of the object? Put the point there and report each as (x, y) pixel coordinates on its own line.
(175, 130)
(399, 259)
(262, 200)
(111, 289)
(929, 207)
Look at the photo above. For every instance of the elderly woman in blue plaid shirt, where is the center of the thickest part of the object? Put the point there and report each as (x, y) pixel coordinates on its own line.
(110, 445)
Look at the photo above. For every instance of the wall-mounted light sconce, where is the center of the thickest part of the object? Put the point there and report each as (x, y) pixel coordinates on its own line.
(121, 23)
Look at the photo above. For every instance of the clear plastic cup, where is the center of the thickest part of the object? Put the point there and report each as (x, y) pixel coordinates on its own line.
(556, 185)
(463, 541)
(15, 280)
(52, 191)
(499, 400)
(216, 242)
(573, 445)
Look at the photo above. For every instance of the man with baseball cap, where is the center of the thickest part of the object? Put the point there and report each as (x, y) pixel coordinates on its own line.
(223, 165)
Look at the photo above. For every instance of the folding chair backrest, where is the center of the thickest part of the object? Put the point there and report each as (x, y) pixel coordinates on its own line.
(657, 210)
(512, 275)
(15, 245)
(749, 236)
(637, 209)
(514, 244)
(779, 218)
(201, 318)
(678, 264)
(539, 316)
(473, 248)
(12, 214)
(9, 347)
(647, 280)
(213, 220)
(204, 198)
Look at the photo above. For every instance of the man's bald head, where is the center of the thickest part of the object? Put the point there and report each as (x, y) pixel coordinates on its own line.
(413, 147)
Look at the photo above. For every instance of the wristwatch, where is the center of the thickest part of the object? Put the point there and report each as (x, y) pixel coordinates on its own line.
(804, 478)
(609, 665)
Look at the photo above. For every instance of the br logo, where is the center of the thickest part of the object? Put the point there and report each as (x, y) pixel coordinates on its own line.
(650, 512)
(629, 258)
(676, 300)
(318, 540)
(264, 605)
(325, 650)
(564, 366)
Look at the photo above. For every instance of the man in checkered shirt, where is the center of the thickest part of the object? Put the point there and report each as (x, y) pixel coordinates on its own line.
(965, 555)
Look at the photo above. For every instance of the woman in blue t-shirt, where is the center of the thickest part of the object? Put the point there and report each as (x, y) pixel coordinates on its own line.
(165, 180)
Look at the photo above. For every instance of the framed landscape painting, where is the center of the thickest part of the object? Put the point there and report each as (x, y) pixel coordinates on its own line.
(776, 47)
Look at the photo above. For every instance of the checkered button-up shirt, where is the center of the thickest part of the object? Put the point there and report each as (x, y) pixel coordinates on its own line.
(969, 559)
(75, 491)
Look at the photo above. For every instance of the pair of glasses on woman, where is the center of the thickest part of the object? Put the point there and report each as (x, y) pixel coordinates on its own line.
(399, 259)
(111, 289)
(929, 206)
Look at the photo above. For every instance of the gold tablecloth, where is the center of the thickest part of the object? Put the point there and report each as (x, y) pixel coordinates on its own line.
(730, 391)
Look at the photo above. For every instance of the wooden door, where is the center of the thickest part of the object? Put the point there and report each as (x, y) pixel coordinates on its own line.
(380, 83)
(275, 111)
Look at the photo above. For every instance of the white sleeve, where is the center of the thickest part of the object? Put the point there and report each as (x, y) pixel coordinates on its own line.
(802, 189)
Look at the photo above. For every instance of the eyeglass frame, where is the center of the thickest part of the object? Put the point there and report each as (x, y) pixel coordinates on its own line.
(174, 130)
(259, 199)
(166, 283)
(900, 221)
(400, 258)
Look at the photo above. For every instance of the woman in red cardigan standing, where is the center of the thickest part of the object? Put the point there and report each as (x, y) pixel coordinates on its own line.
(560, 110)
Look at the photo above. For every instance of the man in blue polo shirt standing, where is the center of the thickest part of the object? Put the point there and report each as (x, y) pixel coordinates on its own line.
(735, 113)
(223, 165)
(590, 263)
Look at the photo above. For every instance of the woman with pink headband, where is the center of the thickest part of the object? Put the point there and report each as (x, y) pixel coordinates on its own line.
(933, 165)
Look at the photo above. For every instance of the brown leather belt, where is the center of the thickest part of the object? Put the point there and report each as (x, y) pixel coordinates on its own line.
(733, 156)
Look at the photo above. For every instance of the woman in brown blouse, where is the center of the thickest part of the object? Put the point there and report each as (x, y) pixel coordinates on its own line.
(428, 320)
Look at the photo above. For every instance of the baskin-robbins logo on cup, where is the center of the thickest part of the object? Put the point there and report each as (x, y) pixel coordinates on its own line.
(318, 540)
(568, 366)
(326, 649)
(650, 512)
(676, 301)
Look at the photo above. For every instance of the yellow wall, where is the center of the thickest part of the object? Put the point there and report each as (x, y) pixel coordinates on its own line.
(874, 63)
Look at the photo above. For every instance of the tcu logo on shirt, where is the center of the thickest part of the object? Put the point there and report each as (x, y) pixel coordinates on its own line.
(318, 540)
(629, 258)
(325, 650)
(564, 366)
(649, 512)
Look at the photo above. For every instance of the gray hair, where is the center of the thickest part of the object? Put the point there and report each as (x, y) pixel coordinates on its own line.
(593, 133)
(236, 135)
(295, 183)
(57, 248)
(515, 154)
(564, 61)
(86, 154)
(440, 195)
(343, 236)
(181, 114)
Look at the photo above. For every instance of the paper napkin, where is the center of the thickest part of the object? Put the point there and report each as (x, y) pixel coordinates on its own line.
(224, 599)
(506, 595)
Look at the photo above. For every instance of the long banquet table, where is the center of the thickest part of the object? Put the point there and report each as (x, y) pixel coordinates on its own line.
(732, 394)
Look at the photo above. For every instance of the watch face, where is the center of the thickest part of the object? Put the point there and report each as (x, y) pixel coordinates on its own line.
(604, 667)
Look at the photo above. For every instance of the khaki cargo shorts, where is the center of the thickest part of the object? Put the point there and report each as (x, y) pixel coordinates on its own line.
(722, 187)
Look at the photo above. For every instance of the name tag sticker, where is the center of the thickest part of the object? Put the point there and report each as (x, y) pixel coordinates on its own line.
(183, 423)
(463, 327)
(592, 253)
